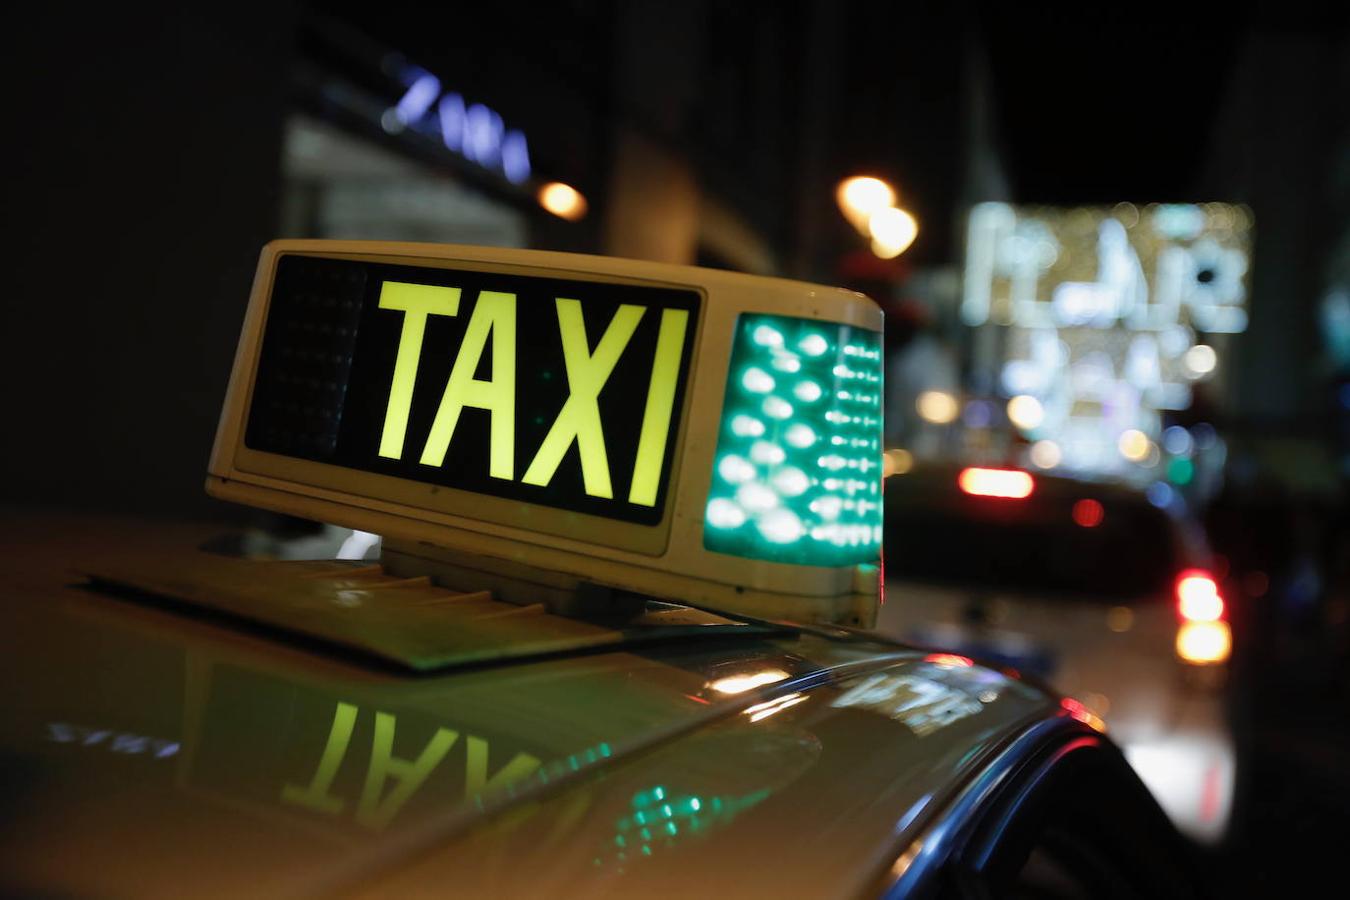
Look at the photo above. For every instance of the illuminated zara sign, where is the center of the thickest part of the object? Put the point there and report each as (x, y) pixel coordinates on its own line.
(473, 131)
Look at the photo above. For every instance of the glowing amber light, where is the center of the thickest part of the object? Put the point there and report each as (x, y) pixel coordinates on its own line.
(1008, 483)
(938, 407)
(896, 462)
(1134, 445)
(1204, 643)
(739, 684)
(892, 231)
(1088, 513)
(949, 660)
(861, 196)
(1198, 597)
(1120, 619)
(1026, 412)
(563, 200)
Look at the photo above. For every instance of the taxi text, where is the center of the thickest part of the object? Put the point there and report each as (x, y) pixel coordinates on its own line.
(578, 422)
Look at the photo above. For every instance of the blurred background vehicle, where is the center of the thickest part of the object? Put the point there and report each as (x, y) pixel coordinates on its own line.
(1105, 590)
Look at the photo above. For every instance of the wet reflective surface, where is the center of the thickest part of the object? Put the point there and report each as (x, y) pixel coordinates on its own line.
(164, 749)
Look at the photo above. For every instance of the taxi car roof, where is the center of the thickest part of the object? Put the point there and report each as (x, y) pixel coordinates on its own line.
(162, 749)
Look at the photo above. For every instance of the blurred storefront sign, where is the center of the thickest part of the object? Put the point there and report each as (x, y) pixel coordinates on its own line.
(1106, 322)
(475, 132)
(379, 147)
(338, 184)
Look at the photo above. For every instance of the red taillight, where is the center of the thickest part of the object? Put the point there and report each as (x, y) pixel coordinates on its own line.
(1088, 513)
(1008, 483)
(1198, 597)
(1080, 712)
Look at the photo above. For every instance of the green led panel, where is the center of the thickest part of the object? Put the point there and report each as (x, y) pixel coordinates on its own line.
(797, 474)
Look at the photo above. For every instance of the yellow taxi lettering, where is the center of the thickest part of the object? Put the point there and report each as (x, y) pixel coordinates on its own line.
(651, 450)
(494, 316)
(476, 779)
(315, 796)
(416, 301)
(579, 419)
(371, 811)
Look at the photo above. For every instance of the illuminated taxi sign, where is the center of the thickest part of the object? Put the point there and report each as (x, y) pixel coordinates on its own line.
(795, 477)
(556, 420)
(558, 393)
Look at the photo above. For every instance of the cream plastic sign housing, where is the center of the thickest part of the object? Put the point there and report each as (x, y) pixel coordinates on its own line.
(689, 434)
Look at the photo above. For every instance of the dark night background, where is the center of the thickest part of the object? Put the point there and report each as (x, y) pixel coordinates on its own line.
(148, 165)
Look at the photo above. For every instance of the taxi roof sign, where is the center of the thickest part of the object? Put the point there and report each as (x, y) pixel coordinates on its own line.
(682, 433)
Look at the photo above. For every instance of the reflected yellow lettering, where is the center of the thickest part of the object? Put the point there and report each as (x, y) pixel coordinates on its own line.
(579, 419)
(651, 452)
(493, 316)
(374, 812)
(416, 301)
(390, 781)
(315, 795)
(476, 779)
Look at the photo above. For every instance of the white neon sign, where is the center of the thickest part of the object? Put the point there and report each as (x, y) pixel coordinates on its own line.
(1195, 280)
(1107, 312)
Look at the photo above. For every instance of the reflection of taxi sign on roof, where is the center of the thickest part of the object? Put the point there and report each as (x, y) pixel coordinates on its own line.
(556, 419)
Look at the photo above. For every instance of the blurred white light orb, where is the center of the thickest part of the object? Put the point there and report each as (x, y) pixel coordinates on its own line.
(938, 407)
(1026, 412)
(1046, 454)
(1200, 360)
(1134, 445)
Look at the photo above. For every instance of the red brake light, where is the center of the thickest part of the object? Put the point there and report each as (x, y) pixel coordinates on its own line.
(1198, 598)
(1008, 483)
(1088, 513)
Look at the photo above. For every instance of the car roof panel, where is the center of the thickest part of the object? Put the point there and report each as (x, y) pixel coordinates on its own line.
(165, 749)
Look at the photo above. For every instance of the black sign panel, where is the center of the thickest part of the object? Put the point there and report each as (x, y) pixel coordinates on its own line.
(549, 391)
